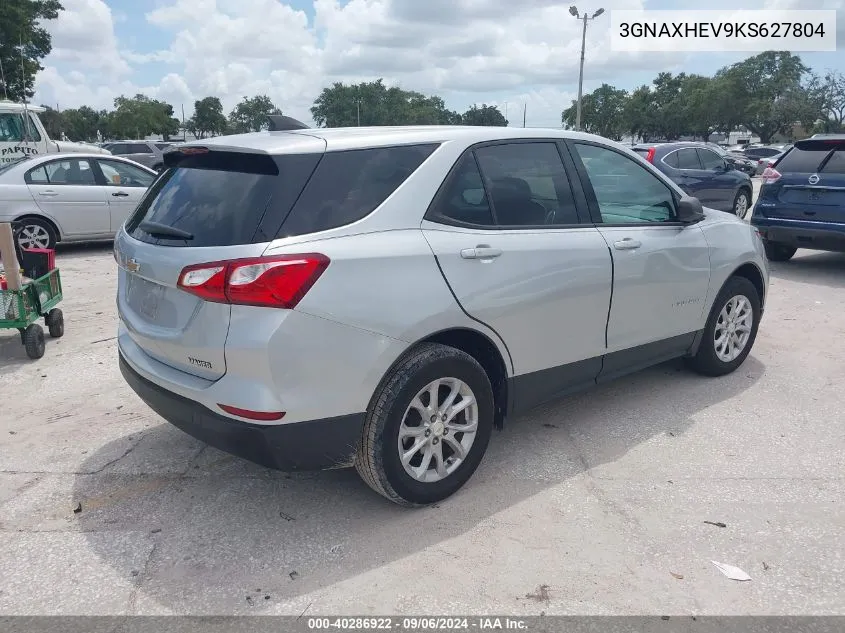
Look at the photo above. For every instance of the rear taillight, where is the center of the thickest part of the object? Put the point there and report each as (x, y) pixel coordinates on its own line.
(272, 282)
(770, 175)
(650, 156)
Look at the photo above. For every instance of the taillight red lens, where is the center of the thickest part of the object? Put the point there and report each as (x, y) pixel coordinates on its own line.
(770, 175)
(650, 156)
(273, 282)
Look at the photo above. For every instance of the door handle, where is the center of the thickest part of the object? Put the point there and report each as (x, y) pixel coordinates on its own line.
(627, 244)
(120, 194)
(482, 251)
(49, 194)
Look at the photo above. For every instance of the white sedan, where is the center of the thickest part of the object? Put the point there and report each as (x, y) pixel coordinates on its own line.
(70, 197)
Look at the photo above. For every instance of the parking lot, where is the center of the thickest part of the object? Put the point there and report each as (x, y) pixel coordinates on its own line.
(597, 504)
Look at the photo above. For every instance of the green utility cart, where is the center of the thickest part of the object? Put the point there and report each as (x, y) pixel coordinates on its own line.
(20, 309)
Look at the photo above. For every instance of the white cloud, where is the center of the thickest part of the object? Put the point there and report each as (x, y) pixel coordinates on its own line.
(467, 51)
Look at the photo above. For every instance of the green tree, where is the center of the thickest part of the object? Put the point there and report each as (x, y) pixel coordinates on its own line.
(24, 42)
(82, 124)
(53, 122)
(696, 99)
(602, 112)
(140, 116)
(832, 103)
(250, 115)
(208, 119)
(484, 115)
(668, 118)
(638, 114)
(768, 92)
(373, 103)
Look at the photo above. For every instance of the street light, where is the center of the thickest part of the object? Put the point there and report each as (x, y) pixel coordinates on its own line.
(573, 11)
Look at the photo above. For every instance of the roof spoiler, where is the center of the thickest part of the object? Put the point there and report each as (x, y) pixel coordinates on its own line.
(821, 143)
(282, 123)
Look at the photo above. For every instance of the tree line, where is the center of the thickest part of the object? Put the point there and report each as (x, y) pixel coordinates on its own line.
(369, 103)
(767, 94)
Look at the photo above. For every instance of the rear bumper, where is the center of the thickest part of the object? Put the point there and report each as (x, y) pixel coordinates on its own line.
(311, 445)
(821, 236)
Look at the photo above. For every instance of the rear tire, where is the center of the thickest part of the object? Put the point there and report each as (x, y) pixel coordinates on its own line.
(730, 330)
(778, 252)
(55, 321)
(36, 233)
(395, 426)
(33, 340)
(741, 203)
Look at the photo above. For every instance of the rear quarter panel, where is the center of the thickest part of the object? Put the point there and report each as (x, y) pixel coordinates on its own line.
(15, 201)
(733, 243)
(387, 283)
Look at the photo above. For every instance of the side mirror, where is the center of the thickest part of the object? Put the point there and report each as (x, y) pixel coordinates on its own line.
(690, 210)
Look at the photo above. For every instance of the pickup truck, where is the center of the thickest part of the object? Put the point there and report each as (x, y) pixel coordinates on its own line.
(23, 134)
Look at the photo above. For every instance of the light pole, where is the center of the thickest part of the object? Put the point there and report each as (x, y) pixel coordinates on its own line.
(573, 11)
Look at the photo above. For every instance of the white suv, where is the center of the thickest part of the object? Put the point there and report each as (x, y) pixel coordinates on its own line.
(384, 297)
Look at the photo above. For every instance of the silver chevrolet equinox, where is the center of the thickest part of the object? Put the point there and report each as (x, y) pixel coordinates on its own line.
(385, 297)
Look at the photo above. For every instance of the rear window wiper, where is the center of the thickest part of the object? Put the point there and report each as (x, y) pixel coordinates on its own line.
(162, 230)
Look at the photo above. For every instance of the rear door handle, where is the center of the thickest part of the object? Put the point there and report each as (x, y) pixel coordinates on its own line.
(49, 194)
(482, 251)
(627, 244)
(120, 194)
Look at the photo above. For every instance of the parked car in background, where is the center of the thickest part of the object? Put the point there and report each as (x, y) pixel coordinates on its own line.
(740, 163)
(703, 173)
(802, 199)
(761, 165)
(406, 289)
(147, 153)
(756, 152)
(70, 197)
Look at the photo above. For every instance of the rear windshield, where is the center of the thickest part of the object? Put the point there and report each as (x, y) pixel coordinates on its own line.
(802, 161)
(640, 150)
(229, 198)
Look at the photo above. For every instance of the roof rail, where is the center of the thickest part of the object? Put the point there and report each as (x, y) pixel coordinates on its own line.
(281, 123)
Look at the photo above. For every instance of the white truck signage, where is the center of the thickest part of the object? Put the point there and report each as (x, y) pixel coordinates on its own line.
(23, 134)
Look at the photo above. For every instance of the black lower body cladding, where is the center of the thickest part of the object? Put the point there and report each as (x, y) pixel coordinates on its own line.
(311, 445)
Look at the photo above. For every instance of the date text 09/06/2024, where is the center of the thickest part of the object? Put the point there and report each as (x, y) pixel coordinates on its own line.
(417, 624)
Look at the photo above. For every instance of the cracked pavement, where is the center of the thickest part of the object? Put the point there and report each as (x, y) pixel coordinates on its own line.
(593, 505)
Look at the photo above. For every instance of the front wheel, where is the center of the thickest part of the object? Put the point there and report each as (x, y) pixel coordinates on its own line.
(730, 330)
(778, 252)
(427, 427)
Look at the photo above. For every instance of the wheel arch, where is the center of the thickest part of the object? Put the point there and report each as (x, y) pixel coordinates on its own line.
(747, 270)
(483, 349)
(753, 274)
(43, 218)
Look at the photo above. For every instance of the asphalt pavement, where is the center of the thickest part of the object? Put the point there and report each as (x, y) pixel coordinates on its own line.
(608, 502)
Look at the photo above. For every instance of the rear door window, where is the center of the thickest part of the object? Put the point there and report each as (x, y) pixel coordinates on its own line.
(528, 184)
(688, 159)
(349, 185)
(463, 199)
(139, 148)
(671, 159)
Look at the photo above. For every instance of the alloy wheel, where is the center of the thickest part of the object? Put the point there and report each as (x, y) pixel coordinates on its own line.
(438, 430)
(34, 236)
(733, 328)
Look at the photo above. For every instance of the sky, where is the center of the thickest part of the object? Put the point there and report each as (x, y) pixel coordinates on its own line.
(510, 53)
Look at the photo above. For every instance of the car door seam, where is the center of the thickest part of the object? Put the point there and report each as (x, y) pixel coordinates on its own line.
(455, 297)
